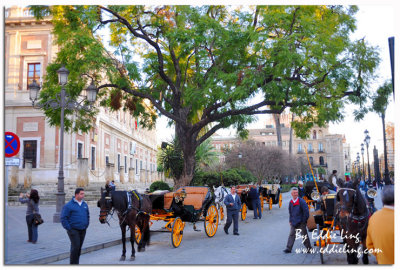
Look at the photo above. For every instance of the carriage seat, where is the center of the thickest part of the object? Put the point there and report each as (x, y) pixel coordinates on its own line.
(194, 196)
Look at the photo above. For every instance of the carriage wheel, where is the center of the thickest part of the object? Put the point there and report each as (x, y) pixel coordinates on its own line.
(138, 234)
(262, 203)
(221, 212)
(177, 232)
(244, 211)
(280, 200)
(211, 221)
(270, 203)
(321, 254)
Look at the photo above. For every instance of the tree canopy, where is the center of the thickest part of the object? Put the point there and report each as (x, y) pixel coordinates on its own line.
(202, 65)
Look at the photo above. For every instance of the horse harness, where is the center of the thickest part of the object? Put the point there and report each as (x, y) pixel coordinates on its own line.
(360, 220)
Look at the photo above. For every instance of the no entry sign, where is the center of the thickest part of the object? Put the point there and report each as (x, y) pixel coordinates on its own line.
(12, 144)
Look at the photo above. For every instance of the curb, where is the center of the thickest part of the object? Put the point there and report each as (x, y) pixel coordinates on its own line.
(65, 255)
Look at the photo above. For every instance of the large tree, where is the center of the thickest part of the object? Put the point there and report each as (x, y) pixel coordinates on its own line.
(201, 66)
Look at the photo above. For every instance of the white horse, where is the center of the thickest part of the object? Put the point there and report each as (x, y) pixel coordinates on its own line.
(220, 194)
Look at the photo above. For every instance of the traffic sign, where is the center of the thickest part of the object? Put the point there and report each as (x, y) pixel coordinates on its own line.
(12, 144)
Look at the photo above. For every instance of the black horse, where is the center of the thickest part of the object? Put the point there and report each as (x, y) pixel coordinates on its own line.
(353, 216)
(138, 214)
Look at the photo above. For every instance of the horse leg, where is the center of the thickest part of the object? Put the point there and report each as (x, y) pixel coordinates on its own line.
(352, 253)
(123, 232)
(132, 239)
(143, 223)
(365, 258)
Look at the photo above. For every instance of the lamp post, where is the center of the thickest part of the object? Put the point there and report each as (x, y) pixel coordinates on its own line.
(63, 102)
(358, 163)
(363, 166)
(367, 141)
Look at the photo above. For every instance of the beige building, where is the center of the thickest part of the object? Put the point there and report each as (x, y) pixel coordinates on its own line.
(326, 151)
(115, 139)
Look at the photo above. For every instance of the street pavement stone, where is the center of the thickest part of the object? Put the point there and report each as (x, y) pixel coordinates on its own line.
(262, 241)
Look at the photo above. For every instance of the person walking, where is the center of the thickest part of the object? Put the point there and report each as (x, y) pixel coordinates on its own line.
(298, 216)
(32, 201)
(233, 205)
(380, 232)
(254, 196)
(333, 179)
(75, 219)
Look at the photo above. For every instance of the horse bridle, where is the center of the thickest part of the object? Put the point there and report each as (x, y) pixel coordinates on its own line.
(223, 190)
(109, 210)
(353, 218)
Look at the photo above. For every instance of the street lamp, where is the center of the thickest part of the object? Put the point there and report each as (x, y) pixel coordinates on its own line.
(358, 163)
(367, 141)
(62, 102)
(363, 166)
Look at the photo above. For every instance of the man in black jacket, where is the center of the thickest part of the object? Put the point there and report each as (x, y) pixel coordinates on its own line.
(298, 216)
(254, 196)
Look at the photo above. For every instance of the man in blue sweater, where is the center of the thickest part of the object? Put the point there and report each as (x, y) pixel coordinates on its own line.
(298, 216)
(233, 205)
(75, 219)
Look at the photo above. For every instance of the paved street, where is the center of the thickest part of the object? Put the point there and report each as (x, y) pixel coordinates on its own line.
(260, 243)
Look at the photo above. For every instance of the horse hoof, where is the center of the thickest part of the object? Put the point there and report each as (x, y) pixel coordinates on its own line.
(122, 258)
(141, 249)
(132, 258)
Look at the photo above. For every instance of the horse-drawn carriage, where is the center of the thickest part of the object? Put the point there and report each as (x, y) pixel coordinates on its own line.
(309, 188)
(344, 220)
(243, 192)
(271, 194)
(187, 204)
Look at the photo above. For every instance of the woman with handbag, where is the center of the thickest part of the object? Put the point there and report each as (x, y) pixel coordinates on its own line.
(32, 199)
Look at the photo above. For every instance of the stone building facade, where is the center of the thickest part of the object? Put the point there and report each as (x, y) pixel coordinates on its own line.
(116, 146)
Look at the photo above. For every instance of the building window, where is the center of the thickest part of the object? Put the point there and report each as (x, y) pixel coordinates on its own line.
(119, 163)
(30, 152)
(80, 146)
(141, 165)
(136, 168)
(126, 164)
(299, 148)
(310, 149)
(321, 160)
(314, 135)
(320, 147)
(93, 159)
(311, 161)
(107, 160)
(33, 73)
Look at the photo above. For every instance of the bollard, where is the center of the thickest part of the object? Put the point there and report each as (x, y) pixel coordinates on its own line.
(131, 175)
(28, 174)
(82, 173)
(14, 175)
(121, 174)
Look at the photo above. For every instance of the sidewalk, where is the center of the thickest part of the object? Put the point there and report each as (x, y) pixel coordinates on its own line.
(53, 243)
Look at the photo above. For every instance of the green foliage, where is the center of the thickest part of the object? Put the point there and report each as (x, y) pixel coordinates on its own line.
(159, 185)
(287, 187)
(231, 177)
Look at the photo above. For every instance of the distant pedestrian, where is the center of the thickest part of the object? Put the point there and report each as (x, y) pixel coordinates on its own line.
(298, 216)
(32, 201)
(380, 232)
(75, 219)
(254, 196)
(233, 205)
(302, 191)
(112, 185)
(333, 179)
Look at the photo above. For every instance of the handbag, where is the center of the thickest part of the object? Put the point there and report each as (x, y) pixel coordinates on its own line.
(37, 219)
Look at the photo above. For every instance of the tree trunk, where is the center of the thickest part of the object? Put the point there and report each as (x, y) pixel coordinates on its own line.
(278, 129)
(187, 142)
(387, 179)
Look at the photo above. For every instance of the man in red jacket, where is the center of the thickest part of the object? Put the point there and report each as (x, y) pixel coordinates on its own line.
(298, 215)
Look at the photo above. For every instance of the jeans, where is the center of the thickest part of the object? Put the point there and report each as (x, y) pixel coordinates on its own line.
(256, 205)
(32, 229)
(232, 215)
(304, 234)
(76, 237)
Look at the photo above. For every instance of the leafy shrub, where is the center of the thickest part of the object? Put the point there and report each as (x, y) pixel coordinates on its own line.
(231, 177)
(159, 185)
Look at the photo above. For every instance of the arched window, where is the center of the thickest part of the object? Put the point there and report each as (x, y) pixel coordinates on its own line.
(321, 160)
(311, 161)
(314, 135)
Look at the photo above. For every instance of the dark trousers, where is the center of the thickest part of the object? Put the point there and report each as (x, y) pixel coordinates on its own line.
(76, 237)
(303, 233)
(256, 206)
(32, 229)
(232, 215)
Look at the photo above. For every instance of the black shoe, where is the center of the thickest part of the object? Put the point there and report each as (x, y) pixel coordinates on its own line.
(226, 231)
(254, 218)
(287, 251)
(236, 233)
